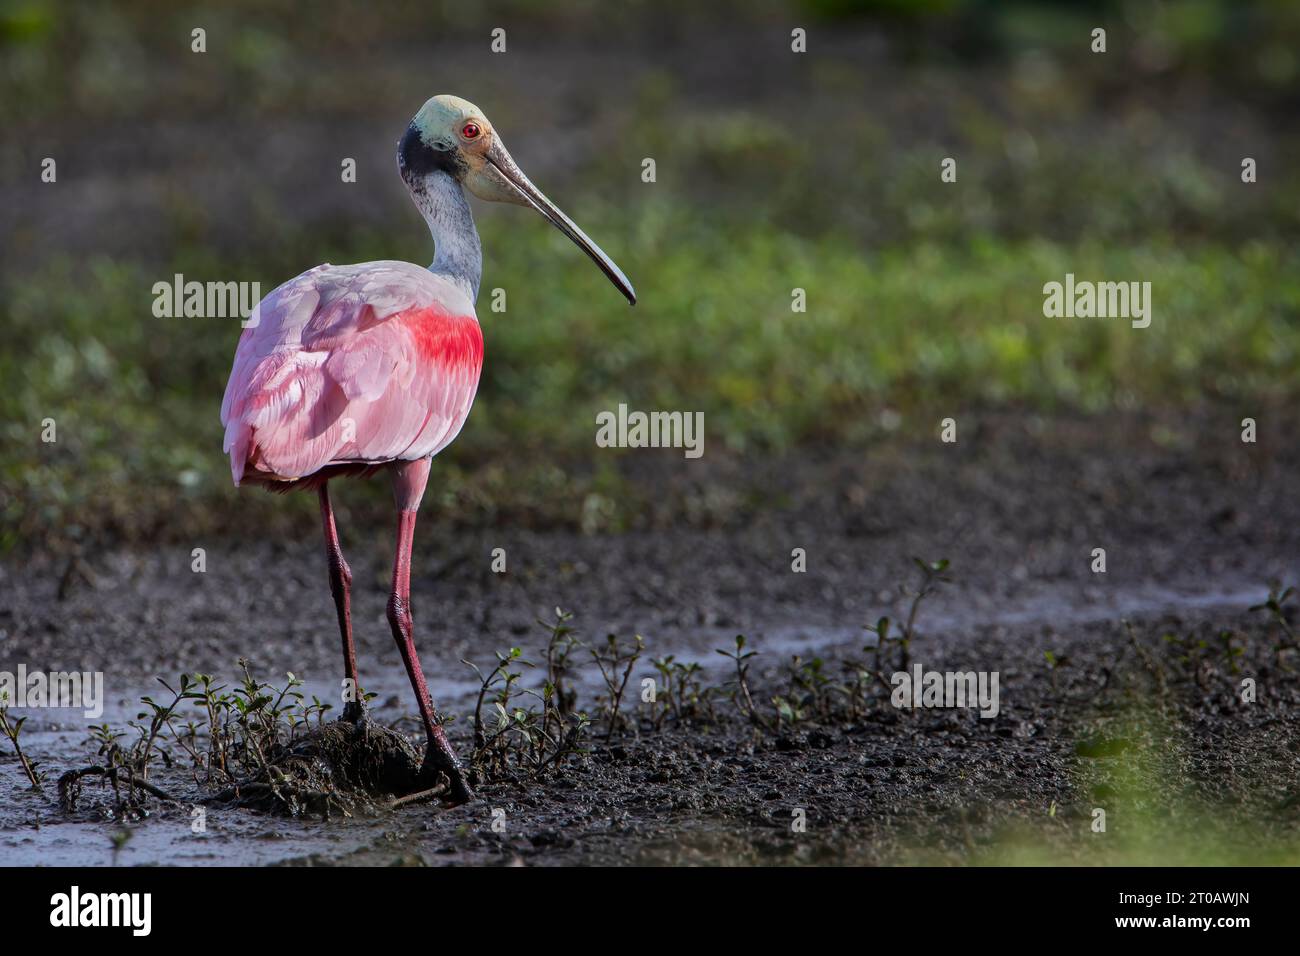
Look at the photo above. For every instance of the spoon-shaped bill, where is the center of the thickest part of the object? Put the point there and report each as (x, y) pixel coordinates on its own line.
(512, 174)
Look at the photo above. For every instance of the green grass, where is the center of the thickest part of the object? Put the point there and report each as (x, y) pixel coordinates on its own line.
(914, 328)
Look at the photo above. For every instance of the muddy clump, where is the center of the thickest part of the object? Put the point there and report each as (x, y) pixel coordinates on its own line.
(338, 767)
(345, 767)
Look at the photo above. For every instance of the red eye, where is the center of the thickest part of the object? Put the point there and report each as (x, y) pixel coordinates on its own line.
(471, 131)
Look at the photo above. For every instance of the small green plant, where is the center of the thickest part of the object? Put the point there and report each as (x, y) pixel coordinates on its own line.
(683, 698)
(521, 735)
(1189, 654)
(692, 700)
(118, 841)
(160, 717)
(933, 573)
(1231, 651)
(501, 681)
(810, 689)
(560, 645)
(1275, 605)
(616, 662)
(214, 703)
(12, 730)
(787, 711)
(1152, 666)
(741, 695)
(664, 705)
(860, 679)
(1055, 663)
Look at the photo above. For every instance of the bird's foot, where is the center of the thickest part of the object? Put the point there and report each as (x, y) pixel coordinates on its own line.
(441, 766)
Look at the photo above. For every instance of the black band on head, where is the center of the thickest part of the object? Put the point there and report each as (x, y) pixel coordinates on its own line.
(416, 158)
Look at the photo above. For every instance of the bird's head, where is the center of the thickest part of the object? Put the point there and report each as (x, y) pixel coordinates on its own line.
(451, 136)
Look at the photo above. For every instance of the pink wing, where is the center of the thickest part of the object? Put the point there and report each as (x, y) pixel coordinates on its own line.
(355, 364)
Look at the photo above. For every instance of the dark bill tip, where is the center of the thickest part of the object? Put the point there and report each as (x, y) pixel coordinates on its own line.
(499, 158)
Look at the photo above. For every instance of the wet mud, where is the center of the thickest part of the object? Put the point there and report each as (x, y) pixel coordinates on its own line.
(1117, 690)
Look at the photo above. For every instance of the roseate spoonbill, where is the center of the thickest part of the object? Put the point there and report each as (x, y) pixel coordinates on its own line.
(349, 370)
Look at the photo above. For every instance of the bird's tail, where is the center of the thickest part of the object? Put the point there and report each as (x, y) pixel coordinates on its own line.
(238, 438)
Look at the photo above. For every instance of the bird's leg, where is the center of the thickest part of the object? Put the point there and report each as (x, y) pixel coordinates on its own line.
(409, 479)
(341, 587)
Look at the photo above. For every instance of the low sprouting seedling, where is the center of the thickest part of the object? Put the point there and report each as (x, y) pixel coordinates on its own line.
(160, 717)
(860, 678)
(691, 699)
(881, 629)
(932, 575)
(118, 841)
(214, 703)
(560, 645)
(1276, 606)
(616, 662)
(683, 697)
(1152, 666)
(112, 759)
(501, 681)
(318, 709)
(741, 695)
(1199, 658)
(1055, 663)
(1231, 651)
(788, 711)
(809, 691)
(1190, 656)
(12, 730)
(521, 736)
(664, 705)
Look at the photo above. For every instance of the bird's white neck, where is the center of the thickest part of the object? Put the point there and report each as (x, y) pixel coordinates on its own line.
(457, 253)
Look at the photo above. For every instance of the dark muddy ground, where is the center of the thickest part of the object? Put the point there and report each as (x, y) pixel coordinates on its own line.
(1193, 521)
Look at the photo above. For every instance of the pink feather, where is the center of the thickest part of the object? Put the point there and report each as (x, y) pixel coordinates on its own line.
(349, 367)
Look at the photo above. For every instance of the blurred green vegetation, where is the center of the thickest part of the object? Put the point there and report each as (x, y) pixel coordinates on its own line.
(921, 296)
(106, 60)
(910, 329)
(1161, 808)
